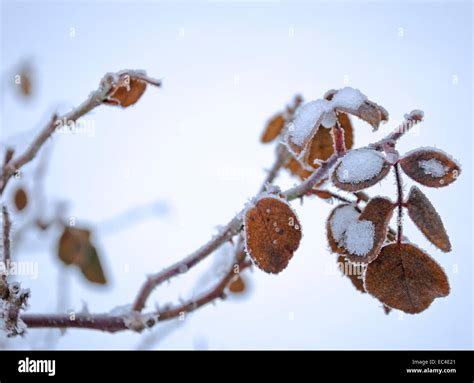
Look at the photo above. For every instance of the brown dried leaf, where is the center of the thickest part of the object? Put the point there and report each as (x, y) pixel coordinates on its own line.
(297, 169)
(24, 80)
(91, 266)
(345, 175)
(272, 234)
(378, 212)
(273, 128)
(424, 215)
(353, 271)
(76, 248)
(72, 246)
(323, 194)
(125, 96)
(20, 199)
(370, 112)
(321, 146)
(128, 88)
(430, 167)
(405, 278)
(237, 285)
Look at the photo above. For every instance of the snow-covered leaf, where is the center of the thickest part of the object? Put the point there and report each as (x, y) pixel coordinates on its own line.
(424, 215)
(354, 102)
(360, 169)
(430, 167)
(405, 278)
(365, 237)
(338, 221)
(305, 124)
(323, 113)
(272, 233)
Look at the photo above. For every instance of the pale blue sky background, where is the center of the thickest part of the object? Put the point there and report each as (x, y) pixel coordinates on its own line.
(193, 145)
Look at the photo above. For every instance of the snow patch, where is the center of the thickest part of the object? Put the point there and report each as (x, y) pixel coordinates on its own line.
(359, 237)
(433, 168)
(348, 98)
(360, 165)
(340, 221)
(306, 118)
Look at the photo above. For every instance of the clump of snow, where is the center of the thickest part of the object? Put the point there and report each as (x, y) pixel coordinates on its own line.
(348, 98)
(341, 219)
(306, 118)
(359, 237)
(433, 168)
(360, 165)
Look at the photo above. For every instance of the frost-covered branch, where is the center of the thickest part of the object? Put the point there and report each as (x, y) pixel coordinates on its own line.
(110, 84)
(112, 323)
(320, 117)
(134, 320)
(6, 237)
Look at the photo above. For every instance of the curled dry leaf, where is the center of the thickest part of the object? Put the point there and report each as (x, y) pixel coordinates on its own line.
(276, 124)
(405, 278)
(353, 271)
(365, 237)
(272, 233)
(430, 167)
(424, 215)
(352, 101)
(370, 112)
(273, 128)
(20, 199)
(360, 169)
(75, 248)
(128, 87)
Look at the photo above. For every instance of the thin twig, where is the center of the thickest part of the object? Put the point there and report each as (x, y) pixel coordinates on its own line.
(114, 323)
(411, 119)
(6, 237)
(398, 179)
